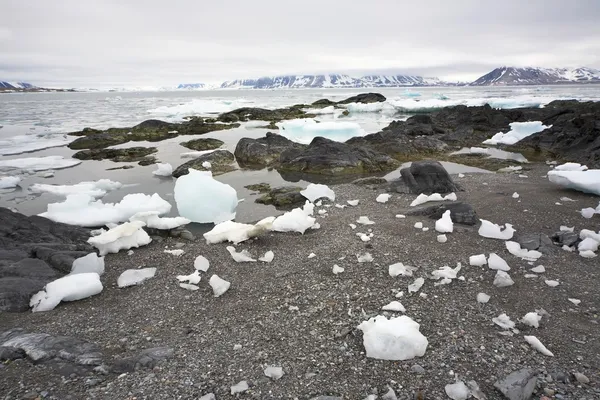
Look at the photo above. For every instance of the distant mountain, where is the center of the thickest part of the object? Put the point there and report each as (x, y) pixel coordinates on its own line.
(330, 81)
(537, 76)
(15, 86)
(191, 86)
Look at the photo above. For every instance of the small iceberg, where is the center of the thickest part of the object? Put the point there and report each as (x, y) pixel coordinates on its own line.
(518, 131)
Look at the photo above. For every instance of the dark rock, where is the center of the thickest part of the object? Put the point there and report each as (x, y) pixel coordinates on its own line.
(364, 98)
(323, 103)
(15, 292)
(61, 260)
(262, 114)
(130, 154)
(203, 144)
(371, 180)
(518, 385)
(566, 238)
(11, 353)
(399, 145)
(535, 241)
(148, 359)
(259, 187)
(461, 213)
(424, 177)
(122, 167)
(148, 161)
(220, 160)
(283, 197)
(326, 157)
(29, 268)
(264, 151)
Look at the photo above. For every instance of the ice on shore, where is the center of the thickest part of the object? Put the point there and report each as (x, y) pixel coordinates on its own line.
(394, 306)
(457, 390)
(551, 283)
(267, 257)
(383, 198)
(353, 203)
(175, 252)
(416, 285)
(535, 343)
(446, 274)
(442, 238)
(93, 189)
(483, 298)
(39, 163)
(201, 263)
(242, 256)
(423, 198)
(200, 198)
(364, 220)
(296, 220)
(494, 231)
(498, 263)
(400, 269)
(583, 181)
(444, 224)
(503, 321)
(587, 254)
(29, 143)
(588, 212)
(305, 130)
(239, 387)
(515, 249)
(393, 339)
(193, 278)
(532, 319)
(152, 220)
(163, 169)
(518, 131)
(69, 288)
(503, 279)
(84, 210)
(218, 285)
(122, 237)
(274, 373)
(189, 286)
(367, 257)
(588, 244)
(89, 263)
(478, 260)
(9, 182)
(418, 225)
(540, 269)
(570, 167)
(133, 277)
(236, 232)
(314, 192)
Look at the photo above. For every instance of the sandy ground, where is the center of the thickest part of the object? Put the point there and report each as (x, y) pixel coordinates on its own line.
(318, 345)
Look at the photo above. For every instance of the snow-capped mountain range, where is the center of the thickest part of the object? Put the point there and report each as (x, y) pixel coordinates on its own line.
(511, 76)
(15, 85)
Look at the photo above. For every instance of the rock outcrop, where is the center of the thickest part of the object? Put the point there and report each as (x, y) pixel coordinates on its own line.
(263, 114)
(264, 151)
(364, 98)
(203, 144)
(221, 162)
(286, 197)
(131, 154)
(424, 177)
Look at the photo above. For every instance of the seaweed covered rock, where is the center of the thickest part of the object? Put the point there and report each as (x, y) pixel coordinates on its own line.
(263, 114)
(130, 154)
(203, 144)
(283, 197)
(221, 161)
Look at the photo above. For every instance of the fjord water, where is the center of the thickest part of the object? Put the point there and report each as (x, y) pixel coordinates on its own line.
(42, 114)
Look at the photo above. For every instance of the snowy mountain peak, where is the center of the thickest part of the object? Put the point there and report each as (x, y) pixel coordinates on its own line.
(537, 76)
(15, 85)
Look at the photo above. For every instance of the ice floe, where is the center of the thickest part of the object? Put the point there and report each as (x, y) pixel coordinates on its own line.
(93, 189)
(122, 237)
(393, 339)
(163, 169)
(305, 130)
(583, 181)
(518, 131)
(314, 192)
(39, 163)
(132, 277)
(68, 288)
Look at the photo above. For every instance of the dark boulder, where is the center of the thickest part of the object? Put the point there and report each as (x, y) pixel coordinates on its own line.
(283, 197)
(327, 157)
(263, 114)
(264, 151)
(221, 162)
(563, 238)
(323, 103)
(259, 187)
(131, 154)
(535, 241)
(460, 213)
(203, 144)
(400, 146)
(424, 177)
(364, 98)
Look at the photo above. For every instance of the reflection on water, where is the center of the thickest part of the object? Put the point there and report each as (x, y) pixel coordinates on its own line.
(493, 153)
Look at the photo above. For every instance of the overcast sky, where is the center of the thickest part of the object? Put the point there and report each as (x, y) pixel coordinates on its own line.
(75, 43)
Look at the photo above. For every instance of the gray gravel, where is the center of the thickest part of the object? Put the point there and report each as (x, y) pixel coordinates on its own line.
(318, 346)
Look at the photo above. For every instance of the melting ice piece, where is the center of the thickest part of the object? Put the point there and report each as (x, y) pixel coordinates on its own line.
(312, 255)
(337, 269)
(364, 220)
(39, 163)
(502, 279)
(416, 285)
(458, 391)
(478, 260)
(93, 189)
(575, 301)
(242, 256)
(394, 339)
(89, 263)
(540, 269)
(496, 262)
(383, 198)
(588, 244)
(236, 232)
(314, 192)
(267, 257)
(239, 387)
(395, 306)
(367, 257)
(122, 237)
(494, 231)
(503, 321)
(483, 298)
(218, 285)
(201, 263)
(584, 181)
(515, 249)
(532, 319)
(296, 220)
(400, 269)
(537, 345)
(132, 277)
(400, 216)
(515, 195)
(551, 283)
(444, 224)
(518, 131)
(9, 182)
(202, 199)
(68, 288)
(152, 220)
(442, 238)
(570, 167)
(193, 278)
(176, 252)
(163, 169)
(353, 203)
(446, 273)
(206, 165)
(423, 198)
(274, 373)
(189, 286)
(419, 225)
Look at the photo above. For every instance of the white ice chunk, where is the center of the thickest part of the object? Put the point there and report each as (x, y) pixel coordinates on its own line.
(9, 182)
(206, 165)
(218, 285)
(68, 288)
(532, 319)
(383, 198)
(589, 234)
(394, 339)
(588, 244)
(152, 220)
(400, 216)
(442, 238)
(353, 226)
(551, 283)
(503, 279)
(353, 203)
(588, 212)
(416, 285)
(274, 373)
(503, 321)
(312, 255)
(175, 252)
(444, 224)
(163, 169)
(242, 256)
(133, 277)
(239, 387)
(364, 258)
(236, 232)
(511, 168)
(564, 228)
(497, 263)
(122, 237)
(483, 298)
(296, 220)
(337, 269)
(537, 345)
(202, 199)
(193, 278)
(458, 391)
(515, 195)
(89, 263)
(315, 192)
(93, 189)
(540, 269)
(515, 249)
(39, 163)
(340, 206)
(395, 306)
(189, 286)
(570, 167)
(419, 225)
(201, 264)
(477, 260)
(584, 181)
(494, 231)
(446, 273)
(364, 220)
(267, 257)
(423, 198)
(575, 301)
(305, 130)
(518, 131)
(400, 269)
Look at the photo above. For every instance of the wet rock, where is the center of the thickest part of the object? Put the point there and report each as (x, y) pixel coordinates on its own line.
(364, 98)
(371, 180)
(581, 378)
(221, 162)
(399, 145)
(259, 187)
(131, 154)
(283, 197)
(518, 385)
(263, 151)
(262, 114)
(148, 359)
(460, 213)
(11, 353)
(424, 177)
(148, 161)
(203, 144)
(323, 103)
(566, 238)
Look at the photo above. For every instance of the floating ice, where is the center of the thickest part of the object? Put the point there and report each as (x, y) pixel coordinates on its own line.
(236, 232)
(537, 345)
(297, 220)
(176, 252)
(201, 264)
(478, 260)
(9, 182)
(305, 130)
(400, 269)
(132, 277)
(503, 321)
(503, 279)
(551, 283)
(274, 373)
(242, 256)
(218, 285)
(315, 192)
(494, 231)
(193, 278)
(383, 198)
(364, 220)
(423, 198)
(416, 285)
(353, 203)
(532, 319)
(428, 105)
(584, 181)
(570, 167)
(84, 210)
(483, 298)
(395, 306)
(518, 131)
(39, 163)
(394, 339)
(89, 263)
(92, 189)
(202, 199)
(458, 391)
(515, 249)
(444, 224)
(163, 169)
(30, 143)
(267, 257)
(367, 257)
(152, 220)
(122, 237)
(337, 269)
(442, 238)
(68, 288)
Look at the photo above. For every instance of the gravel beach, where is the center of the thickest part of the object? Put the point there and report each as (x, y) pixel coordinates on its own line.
(296, 314)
